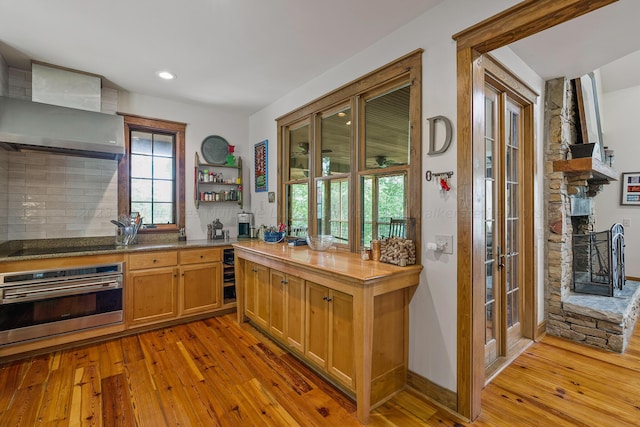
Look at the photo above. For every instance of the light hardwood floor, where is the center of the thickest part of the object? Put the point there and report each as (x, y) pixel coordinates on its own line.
(216, 372)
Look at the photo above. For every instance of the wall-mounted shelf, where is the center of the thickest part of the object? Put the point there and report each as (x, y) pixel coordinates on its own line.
(599, 171)
(229, 189)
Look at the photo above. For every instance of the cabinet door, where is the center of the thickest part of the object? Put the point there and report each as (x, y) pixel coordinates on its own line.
(200, 288)
(262, 296)
(257, 293)
(316, 324)
(152, 295)
(294, 329)
(278, 305)
(250, 289)
(340, 362)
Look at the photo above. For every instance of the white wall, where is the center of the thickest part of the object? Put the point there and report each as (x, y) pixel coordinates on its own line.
(620, 129)
(201, 121)
(432, 352)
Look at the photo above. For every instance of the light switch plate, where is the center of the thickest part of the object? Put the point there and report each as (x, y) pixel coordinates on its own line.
(445, 242)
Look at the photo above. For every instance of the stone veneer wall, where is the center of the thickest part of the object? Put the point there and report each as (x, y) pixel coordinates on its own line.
(574, 316)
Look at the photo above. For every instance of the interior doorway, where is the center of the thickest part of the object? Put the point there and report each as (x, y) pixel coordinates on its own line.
(506, 193)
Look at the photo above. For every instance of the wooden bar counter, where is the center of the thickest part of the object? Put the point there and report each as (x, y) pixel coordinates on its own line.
(346, 318)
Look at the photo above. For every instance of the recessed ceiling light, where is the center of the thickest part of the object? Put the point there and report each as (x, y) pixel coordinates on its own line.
(166, 75)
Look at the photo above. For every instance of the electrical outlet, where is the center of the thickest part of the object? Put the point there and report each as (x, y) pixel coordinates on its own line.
(626, 223)
(445, 243)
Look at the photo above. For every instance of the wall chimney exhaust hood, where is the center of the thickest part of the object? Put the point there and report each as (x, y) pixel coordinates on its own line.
(28, 125)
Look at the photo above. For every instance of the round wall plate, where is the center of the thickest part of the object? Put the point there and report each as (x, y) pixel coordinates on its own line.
(215, 150)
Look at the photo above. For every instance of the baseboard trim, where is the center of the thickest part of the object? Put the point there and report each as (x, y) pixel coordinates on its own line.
(438, 394)
(541, 330)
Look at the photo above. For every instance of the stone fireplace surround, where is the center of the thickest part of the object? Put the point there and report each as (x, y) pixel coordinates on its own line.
(600, 321)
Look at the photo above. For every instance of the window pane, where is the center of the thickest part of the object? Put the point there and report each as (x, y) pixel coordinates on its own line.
(336, 142)
(145, 211)
(152, 162)
(299, 153)
(163, 145)
(163, 167)
(298, 202)
(163, 213)
(333, 208)
(141, 142)
(141, 191)
(141, 166)
(383, 198)
(391, 197)
(162, 191)
(387, 129)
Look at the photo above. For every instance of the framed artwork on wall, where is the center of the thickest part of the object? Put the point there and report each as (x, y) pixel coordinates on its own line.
(630, 188)
(261, 166)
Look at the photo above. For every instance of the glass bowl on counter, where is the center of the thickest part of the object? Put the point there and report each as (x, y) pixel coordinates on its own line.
(320, 242)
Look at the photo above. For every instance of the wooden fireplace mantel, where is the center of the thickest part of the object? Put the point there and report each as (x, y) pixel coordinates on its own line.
(599, 170)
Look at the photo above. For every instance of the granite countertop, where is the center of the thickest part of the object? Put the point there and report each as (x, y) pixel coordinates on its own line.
(57, 248)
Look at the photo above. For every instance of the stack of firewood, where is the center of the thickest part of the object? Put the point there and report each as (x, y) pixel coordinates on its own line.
(398, 251)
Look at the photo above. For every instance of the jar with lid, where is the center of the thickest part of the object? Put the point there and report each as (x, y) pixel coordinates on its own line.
(204, 175)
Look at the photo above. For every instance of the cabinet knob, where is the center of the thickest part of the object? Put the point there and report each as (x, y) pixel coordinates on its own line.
(155, 260)
(284, 282)
(329, 299)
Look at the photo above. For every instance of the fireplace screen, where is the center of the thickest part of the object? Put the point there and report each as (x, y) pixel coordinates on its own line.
(598, 261)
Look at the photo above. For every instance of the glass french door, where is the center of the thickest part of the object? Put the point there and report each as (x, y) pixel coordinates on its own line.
(503, 296)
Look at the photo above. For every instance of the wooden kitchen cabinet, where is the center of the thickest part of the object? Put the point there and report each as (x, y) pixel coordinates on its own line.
(257, 293)
(356, 314)
(200, 281)
(286, 309)
(329, 332)
(151, 287)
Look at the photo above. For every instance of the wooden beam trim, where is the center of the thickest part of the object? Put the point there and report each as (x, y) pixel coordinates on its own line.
(523, 20)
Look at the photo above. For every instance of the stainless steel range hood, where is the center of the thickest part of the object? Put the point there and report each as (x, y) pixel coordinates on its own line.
(28, 125)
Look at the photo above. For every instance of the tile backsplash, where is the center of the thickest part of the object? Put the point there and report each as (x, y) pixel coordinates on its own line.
(4, 195)
(54, 196)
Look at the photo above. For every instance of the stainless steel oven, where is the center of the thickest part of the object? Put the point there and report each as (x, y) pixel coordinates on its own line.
(43, 303)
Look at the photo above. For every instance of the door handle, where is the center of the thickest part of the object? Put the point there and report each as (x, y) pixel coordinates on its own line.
(501, 258)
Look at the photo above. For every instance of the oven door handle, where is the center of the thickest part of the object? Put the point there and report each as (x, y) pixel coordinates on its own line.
(14, 294)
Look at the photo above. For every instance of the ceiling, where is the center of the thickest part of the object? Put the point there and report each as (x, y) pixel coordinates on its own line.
(234, 54)
(597, 40)
(243, 55)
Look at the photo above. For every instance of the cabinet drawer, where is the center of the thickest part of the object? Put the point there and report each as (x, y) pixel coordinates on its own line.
(153, 260)
(195, 256)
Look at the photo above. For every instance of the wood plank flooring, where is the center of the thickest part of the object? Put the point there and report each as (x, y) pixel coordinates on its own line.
(218, 373)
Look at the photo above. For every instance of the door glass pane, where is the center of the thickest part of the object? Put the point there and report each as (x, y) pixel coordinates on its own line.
(299, 153)
(489, 136)
(335, 142)
(386, 129)
(490, 303)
